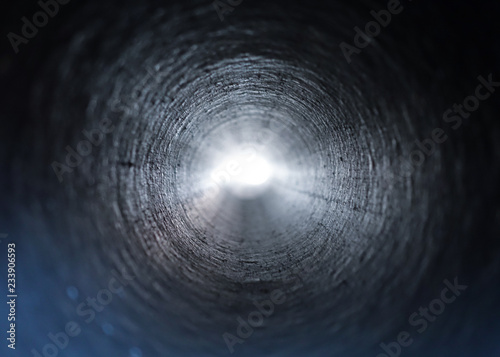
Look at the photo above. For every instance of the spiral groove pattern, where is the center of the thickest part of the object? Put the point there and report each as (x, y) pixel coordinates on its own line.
(354, 237)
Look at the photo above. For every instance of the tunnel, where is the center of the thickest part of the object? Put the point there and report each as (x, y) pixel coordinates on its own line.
(251, 178)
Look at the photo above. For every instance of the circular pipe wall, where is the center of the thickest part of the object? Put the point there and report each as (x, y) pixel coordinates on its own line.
(352, 233)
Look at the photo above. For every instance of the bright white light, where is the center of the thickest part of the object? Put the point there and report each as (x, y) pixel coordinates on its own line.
(255, 172)
(243, 169)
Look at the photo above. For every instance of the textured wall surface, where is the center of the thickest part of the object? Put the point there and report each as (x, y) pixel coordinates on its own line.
(355, 235)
